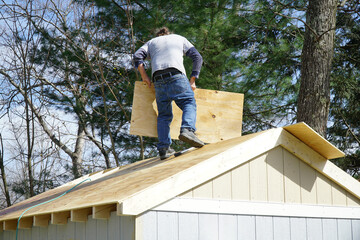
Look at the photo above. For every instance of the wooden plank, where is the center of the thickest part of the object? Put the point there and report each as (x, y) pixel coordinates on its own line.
(60, 218)
(26, 223)
(213, 166)
(42, 220)
(80, 215)
(103, 211)
(219, 114)
(311, 138)
(10, 224)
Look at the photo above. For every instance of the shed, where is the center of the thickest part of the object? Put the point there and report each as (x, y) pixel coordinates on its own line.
(275, 184)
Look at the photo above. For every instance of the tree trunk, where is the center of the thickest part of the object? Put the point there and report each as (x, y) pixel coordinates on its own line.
(79, 150)
(317, 55)
(3, 175)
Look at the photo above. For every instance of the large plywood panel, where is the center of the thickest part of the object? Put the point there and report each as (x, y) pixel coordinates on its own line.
(311, 138)
(219, 114)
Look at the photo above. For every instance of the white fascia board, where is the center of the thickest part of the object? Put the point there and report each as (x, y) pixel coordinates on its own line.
(258, 208)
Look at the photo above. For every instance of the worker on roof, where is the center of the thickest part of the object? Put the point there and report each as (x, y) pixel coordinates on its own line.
(166, 52)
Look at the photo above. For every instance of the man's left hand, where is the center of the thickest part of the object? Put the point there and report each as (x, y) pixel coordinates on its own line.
(192, 83)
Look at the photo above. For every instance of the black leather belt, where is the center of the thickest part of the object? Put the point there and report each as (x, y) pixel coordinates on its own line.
(158, 75)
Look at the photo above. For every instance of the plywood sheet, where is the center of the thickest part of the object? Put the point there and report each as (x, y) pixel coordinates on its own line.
(219, 114)
(311, 138)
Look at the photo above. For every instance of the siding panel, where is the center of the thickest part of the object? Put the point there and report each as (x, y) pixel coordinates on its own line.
(167, 226)
(188, 226)
(298, 228)
(275, 172)
(355, 229)
(281, 228)
(258, 176)
(344, 229)
(228, 227)
(208, 227)
(264, 228)
(246, 228)
(330, 230)
(314, 229)
(240, 182)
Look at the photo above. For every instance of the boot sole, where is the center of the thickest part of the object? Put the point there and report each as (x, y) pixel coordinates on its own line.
(192, 142)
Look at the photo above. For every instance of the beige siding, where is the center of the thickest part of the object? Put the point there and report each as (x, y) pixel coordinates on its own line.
(276, 176)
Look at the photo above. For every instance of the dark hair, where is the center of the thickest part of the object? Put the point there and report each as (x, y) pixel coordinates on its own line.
(162, 31)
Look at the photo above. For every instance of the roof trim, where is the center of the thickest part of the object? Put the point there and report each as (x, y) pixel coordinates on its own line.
(189, 178)
(314, 140)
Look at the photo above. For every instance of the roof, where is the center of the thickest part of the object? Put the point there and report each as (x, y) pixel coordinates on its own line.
(138, 187)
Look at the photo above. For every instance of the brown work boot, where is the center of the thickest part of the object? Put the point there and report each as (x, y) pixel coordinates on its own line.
(190, 137)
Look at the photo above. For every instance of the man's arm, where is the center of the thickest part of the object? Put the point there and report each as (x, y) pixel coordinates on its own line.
(139, 57)
(144, 75)
(197, 63)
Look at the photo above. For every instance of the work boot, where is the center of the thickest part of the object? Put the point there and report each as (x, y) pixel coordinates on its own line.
(166, 153)
(188, 136)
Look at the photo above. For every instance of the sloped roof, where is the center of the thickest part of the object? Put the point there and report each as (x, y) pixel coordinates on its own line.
(138, 187)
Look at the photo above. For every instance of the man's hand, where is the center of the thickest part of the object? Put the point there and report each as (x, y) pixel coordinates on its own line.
(192, 83)
(144, 75)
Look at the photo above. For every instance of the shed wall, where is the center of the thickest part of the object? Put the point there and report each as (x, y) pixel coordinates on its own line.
(276, 176)
(114, 228)
(159, 225)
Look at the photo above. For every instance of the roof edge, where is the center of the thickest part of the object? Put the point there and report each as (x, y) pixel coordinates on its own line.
(314, 140)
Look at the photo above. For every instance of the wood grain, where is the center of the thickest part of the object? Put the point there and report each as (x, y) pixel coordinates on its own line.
(219, 114)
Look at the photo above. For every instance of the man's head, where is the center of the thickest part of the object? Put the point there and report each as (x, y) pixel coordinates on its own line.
(162, 31)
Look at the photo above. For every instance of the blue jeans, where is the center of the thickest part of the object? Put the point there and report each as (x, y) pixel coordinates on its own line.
(175, 88)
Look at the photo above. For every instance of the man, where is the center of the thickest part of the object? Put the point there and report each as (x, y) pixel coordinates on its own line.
(166, 52)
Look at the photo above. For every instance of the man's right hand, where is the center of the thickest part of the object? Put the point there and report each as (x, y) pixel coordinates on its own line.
(144, 75)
